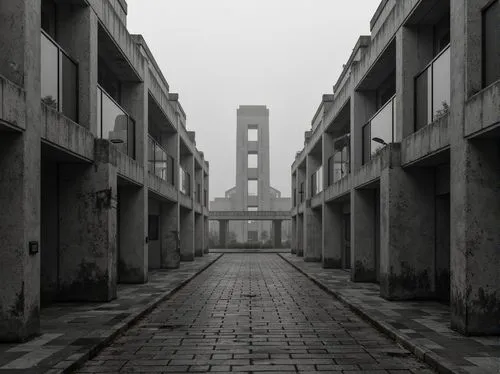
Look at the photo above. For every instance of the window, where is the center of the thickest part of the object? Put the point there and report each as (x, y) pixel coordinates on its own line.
(491, 46)
(252, 208)
(153, 227)
(48, 17)
(253, 187)
(253, 160)
(253, 134)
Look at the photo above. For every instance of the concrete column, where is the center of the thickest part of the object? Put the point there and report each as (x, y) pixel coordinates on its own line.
(199, 233)
(363, 105)
(363, 236)
(414, 49)
(277, 233)
(133, 248)
(313, 235)
(206, 248)
(133, 244)
(20, 175)
(88, 227)
(300, 235)
(223, 227)
(187, 221)
(332, 236)
(169, 230)
(77, 31)
(475, 238)
(294, 235)
(407, 233)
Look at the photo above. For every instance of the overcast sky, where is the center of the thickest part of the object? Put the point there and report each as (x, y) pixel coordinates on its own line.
(219, 54)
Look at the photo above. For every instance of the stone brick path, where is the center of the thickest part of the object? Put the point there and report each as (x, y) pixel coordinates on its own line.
(73, 331)
(422, 327)
(253, 313)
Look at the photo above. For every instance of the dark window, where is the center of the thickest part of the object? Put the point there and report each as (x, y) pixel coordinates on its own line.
(109, 81)
(153, 227)
(491, 43)
(442, 34)
(172, 171)
(366, 143)
(48, 17)
(386, 90)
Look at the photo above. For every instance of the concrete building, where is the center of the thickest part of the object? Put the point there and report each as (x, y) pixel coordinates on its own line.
(398, 180)
(253, 191)
(98, 173)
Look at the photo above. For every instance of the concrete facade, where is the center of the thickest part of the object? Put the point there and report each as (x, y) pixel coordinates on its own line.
(252, 172)
(405, 153)
(100, 180)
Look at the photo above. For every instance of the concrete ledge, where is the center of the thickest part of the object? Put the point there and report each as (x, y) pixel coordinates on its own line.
(317, 200)
(426, 142)
(66, 134)
(339, 189)
(185, 201)
(482, 111)
(129, 169)
(419, 350)
(161, 187)
(12, 104)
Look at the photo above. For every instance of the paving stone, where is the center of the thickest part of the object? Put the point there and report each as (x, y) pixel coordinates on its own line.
(254, 313)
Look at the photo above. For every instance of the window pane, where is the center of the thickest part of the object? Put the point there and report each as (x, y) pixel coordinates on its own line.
(253, 160)
(253, 135)
(491, 52)
(253, 208)
(381, 128)
(441, 85)
(114, 124)
(49, 73)
(69, 88)
(253, 187)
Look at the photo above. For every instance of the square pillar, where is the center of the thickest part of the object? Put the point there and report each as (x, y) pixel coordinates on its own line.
(332, 236)
(475, 237)
(294, 235)
(187, 234)
(223, 227)
(407, 239)
(300, 235)
(363, 235)
(277, 233)
(133, 242)
(206, 248)
(200, 233)
(312, 235)
(170, 236)
(20, 175)
(88, 228)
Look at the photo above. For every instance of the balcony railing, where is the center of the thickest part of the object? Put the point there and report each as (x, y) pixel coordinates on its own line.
(317, 182)
(59, 78)
(159, 162)
(339, 165)
(114, 124)
(185, 182)
(379, 131)
(432, 90)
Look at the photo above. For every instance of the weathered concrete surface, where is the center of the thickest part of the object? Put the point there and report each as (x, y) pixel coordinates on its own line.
(187, 233)
(277, 228)
(223, 227)
(313, 235)
(407, 233)
(170, 256)
(133, 243)
(364, 263)
(300, 235)
(199, 235)
(88, 227)
(129, 169)
(482, 111)
(64, 133)
(332, 235)
(12, 103)
(20, 170)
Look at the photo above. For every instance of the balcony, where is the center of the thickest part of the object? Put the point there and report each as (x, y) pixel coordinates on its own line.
(379, 131)
(159, 162)
(339, 164)
(114, 124)
(59, 79)
(432, 91)
(184, 182)
(317, 181)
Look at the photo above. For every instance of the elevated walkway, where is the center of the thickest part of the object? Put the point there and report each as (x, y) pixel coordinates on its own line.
(250, 216)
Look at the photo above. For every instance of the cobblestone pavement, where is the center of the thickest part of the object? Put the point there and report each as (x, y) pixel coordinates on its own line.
(423, 325)
(253, 314)
(70, 331)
